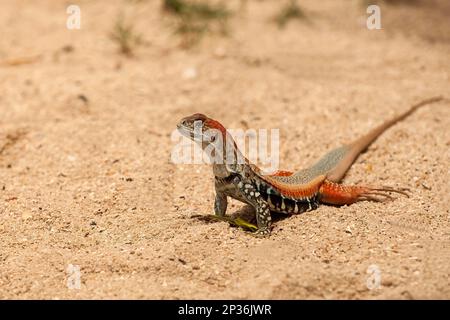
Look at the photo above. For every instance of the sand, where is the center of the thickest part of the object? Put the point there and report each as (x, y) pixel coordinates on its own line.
(85, 147)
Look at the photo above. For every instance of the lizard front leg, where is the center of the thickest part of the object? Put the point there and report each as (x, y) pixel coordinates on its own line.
(220, 208)
(220, 204)
(263, 217)
(254, 198)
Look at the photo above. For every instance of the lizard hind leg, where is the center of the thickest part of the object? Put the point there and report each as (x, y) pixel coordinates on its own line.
(337, 194)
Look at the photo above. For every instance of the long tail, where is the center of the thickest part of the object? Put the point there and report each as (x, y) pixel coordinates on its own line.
(355, 148)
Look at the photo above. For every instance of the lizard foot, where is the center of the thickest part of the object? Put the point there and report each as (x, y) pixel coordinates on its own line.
(238, 222)
(380, 194)
(261, 233)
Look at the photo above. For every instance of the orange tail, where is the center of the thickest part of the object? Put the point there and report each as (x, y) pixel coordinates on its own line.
(337, 194)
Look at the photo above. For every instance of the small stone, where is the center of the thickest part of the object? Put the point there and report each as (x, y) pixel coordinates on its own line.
(387, 282)
(220, 53)
(348, 230)
(190, 73)
(426, 186)
(68, 48)
(26, 216)
(83, 98)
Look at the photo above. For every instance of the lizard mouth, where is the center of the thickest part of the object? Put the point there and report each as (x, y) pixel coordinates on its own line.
(189, 133)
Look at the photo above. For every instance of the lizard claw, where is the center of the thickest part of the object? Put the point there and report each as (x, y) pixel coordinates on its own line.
(244, 224)
(381, 194)
(402, 190)
(238, 222)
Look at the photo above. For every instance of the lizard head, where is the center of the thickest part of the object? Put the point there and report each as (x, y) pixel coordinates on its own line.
(200, 128)
(214, 140)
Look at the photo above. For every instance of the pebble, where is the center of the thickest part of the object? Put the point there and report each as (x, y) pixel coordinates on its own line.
(190, 73)
(220, 53)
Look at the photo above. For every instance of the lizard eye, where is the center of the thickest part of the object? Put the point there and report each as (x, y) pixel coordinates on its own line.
(213, 138)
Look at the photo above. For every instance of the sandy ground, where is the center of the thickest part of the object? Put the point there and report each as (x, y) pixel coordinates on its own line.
(85, 171)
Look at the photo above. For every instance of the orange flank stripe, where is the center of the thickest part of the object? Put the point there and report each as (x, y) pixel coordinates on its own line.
(296, 191)
(282, 173)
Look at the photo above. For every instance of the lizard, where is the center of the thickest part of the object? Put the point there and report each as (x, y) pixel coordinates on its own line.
(285, 191)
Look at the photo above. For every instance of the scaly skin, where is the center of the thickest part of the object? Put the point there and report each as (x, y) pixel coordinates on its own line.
(285, 191)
